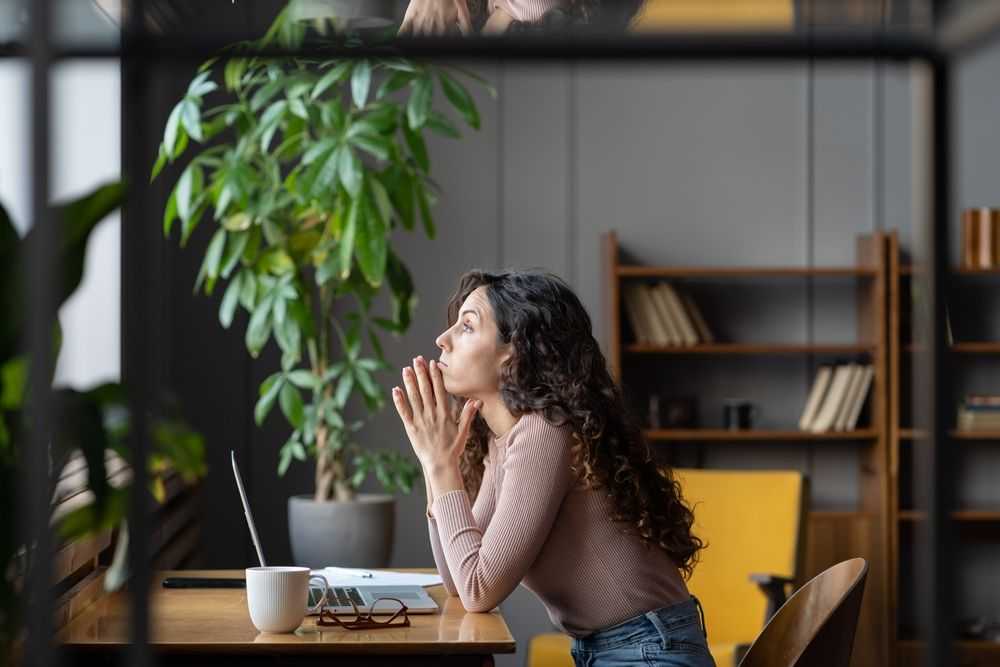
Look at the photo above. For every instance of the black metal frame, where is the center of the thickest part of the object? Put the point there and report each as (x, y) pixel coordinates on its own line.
(140, 50)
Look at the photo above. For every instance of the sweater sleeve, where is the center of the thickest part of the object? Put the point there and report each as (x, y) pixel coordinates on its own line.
(482, 510)
(527, 11)
(488, 564)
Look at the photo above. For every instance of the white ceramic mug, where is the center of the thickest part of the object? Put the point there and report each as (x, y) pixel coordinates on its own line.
(278, 596)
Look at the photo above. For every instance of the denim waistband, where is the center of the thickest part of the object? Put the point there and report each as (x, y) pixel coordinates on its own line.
(660, 620)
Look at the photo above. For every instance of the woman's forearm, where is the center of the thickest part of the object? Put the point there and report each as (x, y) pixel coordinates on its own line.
(430, 491)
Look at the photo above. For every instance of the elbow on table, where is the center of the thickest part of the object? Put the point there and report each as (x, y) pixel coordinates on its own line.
(477, 604)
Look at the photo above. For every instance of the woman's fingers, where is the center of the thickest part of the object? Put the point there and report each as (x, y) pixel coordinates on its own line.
(412, 391)
(424, 384)
(464, 19)
(440, 395)
(402, 406)
(465, 421)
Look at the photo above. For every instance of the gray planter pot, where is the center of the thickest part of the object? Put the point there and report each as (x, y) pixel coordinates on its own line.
(357, 533)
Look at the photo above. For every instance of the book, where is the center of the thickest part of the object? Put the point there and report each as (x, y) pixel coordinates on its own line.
(853, 385)
(831, 402)
(690, 336)
(819, 387)
(635, 316)
(657, 328)
(704, 333)
(663, 309)
(861, 397)
(985, 239)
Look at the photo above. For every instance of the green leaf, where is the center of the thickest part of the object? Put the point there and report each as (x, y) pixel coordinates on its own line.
(259, 328)
(291, 404)
(460, 99)
(337, 73)
(394, 82)
(234, 251)
(346, 248)
(268, 393)
(302, 378)
(361, 80)
(399, 183)
(13, 383)
(344, 386)
(213, 256)
(284, 461)
(188, 187)
(370, 248)
(248, 290)
(170, 212)
(425, 211)
(418, 149)
(265, 93)
(230, 299)
(238, 222)
(419, 104)
(235, 67)
(365, 380)
(438, 123)
(161, 160)
(372, 143)
(191, 118)
(350, 171)
(170, 134)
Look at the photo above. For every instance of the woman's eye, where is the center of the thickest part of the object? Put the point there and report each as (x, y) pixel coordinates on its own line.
(466, 327)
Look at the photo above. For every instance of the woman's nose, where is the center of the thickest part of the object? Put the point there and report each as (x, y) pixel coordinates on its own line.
(440, 341)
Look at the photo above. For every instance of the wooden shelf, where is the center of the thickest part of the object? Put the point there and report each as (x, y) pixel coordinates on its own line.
(981, 347)
(749, 348)
(756, 435)
(912, 434)
(964, 347)
(639, 271)
(965, 516)
(909, 270)
(974, 649)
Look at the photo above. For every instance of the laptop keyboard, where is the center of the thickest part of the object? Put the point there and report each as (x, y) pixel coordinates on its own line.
(343, 597)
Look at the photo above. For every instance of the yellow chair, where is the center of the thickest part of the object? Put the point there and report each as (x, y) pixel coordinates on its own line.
(753, 523)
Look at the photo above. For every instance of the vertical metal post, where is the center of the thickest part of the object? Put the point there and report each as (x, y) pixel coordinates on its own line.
(136, 307)
(939, 604)
(41, 279)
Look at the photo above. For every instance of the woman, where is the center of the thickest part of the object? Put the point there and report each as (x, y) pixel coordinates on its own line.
(497, 17)
(542, 479)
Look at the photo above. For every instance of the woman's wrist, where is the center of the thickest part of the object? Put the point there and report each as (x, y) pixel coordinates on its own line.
(444, 478)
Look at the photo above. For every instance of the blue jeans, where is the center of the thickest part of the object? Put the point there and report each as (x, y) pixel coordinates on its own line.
(672, 636)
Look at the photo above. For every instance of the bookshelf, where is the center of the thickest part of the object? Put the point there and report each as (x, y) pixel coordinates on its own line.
(831, 536)
(903, 437)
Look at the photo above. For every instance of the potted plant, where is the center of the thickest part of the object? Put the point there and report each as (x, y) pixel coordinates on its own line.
(305, 167)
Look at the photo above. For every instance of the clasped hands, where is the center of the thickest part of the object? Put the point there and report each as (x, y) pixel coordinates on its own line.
(436, 427)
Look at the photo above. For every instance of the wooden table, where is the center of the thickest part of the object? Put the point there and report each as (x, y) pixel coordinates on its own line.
(205, 626)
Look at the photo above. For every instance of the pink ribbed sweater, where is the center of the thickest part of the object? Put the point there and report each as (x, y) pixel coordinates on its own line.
(533, 524)
(524, 10)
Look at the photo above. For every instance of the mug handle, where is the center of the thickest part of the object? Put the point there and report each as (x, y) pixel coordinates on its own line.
(755, 414)
(318, 607)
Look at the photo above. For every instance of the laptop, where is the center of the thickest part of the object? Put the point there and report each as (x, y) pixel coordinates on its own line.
(339, 598)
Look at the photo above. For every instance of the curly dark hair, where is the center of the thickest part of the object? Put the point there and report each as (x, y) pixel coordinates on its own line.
(558, 370)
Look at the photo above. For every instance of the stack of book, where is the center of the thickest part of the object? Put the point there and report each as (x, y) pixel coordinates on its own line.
(979, 412)
(663, 315)
(837, 396)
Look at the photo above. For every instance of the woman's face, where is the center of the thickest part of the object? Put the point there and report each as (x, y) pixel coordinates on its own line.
(471, 357)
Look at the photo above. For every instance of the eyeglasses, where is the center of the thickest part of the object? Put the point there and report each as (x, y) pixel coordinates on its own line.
(366, 621)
